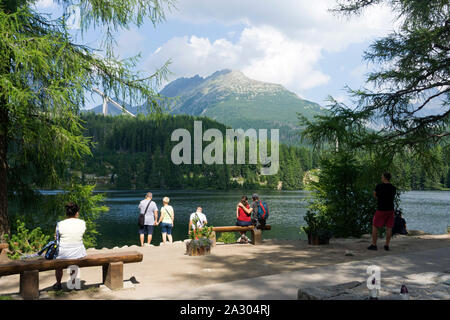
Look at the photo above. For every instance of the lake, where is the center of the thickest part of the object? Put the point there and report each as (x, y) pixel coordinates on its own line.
(423, 210)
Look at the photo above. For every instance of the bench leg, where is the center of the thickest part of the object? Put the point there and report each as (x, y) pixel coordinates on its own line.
(29, 284)
(113, 275)
(256, 236)
(213, 238)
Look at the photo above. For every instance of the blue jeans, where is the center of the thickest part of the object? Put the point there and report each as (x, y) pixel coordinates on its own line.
(166, 227)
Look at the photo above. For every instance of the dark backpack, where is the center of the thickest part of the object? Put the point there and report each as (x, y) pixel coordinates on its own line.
(263, 210)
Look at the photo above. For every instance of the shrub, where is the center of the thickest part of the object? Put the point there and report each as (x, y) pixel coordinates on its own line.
(199, 233)
(317, 225)
(24, 242)
(46, 210)
(344, 193)
(227, 237)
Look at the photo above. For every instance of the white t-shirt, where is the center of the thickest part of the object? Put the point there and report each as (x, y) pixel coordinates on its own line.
(150, 215)
(71, 231)
(201, 219)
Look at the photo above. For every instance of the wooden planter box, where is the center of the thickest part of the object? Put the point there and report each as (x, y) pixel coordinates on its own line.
(315, 240)
(197, 250)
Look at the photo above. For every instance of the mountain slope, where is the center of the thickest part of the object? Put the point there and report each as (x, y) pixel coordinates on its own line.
(237, 101)
(240, 102)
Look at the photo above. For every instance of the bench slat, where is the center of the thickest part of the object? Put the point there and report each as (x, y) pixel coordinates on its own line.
(90, 260)
(237, 228)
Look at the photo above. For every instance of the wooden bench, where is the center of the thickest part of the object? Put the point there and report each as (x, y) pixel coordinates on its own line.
(112, 264)
(3, 247)
(3, 252)
(256, 234)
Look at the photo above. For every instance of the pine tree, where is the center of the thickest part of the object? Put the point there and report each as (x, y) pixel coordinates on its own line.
(413, 75)
(44, 77)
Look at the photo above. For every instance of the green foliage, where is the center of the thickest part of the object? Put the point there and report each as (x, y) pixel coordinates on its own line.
(200, 237)
(227, 237)
(198, 233)
(46, 210)
(136, 153)
(90, 208)
(410, 143)
(343, 194)
(24, 241)
(44, 78)
(412, 92)
(317, 224)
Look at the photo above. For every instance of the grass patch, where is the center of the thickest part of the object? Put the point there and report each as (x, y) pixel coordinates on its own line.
(92, 290)
(227, 237)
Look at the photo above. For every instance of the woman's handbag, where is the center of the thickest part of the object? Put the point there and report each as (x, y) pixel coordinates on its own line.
(141, 219)
(52, 251)
(52, 247)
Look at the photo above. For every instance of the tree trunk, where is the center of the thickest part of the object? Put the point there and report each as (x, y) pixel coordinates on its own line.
(4, 223)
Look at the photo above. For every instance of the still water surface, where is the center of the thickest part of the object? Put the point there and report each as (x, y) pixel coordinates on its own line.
(423, 210)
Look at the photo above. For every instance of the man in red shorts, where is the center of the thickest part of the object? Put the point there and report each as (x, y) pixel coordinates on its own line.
(384, 216)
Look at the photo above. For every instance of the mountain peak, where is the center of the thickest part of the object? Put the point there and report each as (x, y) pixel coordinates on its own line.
(219, 73)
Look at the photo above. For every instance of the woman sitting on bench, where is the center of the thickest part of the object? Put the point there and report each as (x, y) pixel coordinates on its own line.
(243, 212)
(70, 232)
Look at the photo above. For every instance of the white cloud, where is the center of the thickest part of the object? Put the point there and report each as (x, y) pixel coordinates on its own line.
(281, 41)
(45, 4)
(302, 20)
(273, 57)
(261, 53)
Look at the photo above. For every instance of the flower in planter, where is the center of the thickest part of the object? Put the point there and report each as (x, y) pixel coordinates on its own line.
(318, 225)
(200, 242)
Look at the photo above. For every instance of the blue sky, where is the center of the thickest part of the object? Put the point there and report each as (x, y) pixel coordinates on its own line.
(296, 43)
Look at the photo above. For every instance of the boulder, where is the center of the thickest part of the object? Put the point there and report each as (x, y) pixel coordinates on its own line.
(327, 292)
(416, 233)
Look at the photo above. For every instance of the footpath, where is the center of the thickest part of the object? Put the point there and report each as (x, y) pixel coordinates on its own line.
(426, 275)
(275, 270)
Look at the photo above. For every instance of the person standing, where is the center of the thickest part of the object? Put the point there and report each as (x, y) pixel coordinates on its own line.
(197, 220)
(166, 220)
(384, 216)
(149, 208)
(243, 216)
(70, 232)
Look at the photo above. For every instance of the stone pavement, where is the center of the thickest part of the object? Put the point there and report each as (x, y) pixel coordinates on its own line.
(422, 271)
